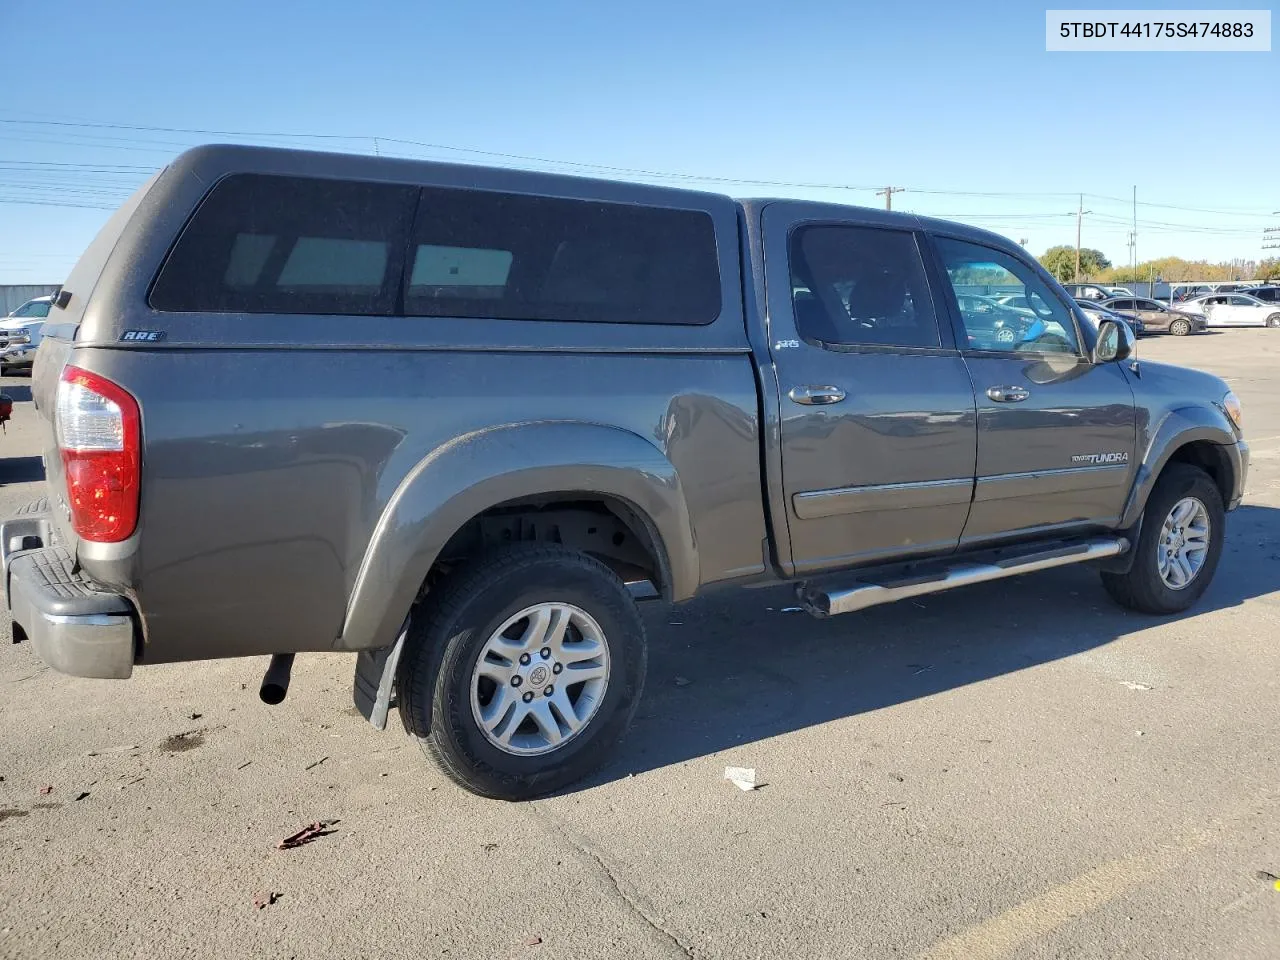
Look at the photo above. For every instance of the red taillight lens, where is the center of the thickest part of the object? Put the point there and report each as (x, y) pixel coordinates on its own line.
(100, 439)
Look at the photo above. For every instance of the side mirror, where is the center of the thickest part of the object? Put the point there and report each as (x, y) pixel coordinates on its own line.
(1115, 342)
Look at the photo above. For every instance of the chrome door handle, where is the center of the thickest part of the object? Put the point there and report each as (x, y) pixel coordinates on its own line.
(816, 396)
(1008, 394)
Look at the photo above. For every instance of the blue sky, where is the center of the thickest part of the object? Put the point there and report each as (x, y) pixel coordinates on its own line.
(959, 103)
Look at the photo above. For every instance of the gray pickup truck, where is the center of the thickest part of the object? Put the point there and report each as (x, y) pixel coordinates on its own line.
(458, 420)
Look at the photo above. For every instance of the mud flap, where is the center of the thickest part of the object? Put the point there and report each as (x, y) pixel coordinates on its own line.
(375, 677)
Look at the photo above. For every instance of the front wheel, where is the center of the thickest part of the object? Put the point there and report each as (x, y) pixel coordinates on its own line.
(1273, 320)
(522, 671)
(1180, 328)
(1178, 548)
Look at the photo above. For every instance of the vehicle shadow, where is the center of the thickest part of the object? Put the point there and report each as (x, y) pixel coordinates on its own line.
(20, 470)
(17, 392)
(734, 668)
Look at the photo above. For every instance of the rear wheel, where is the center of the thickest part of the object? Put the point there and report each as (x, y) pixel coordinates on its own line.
(523, 671)
(1273, 320)
(1180, 328)
(1178, 547)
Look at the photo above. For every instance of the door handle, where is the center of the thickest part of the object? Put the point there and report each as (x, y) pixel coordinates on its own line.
(1008, 394)
(816, 396)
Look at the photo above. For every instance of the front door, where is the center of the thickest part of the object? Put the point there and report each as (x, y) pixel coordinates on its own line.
(877, 418)
(1056, 432)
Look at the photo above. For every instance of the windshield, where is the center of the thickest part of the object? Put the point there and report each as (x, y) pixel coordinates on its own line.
(37, 309)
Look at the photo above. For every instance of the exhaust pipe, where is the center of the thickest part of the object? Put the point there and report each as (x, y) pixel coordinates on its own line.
(275, 682)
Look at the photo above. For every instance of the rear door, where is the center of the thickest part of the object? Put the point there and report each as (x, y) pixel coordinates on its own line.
(1216, 310)
(877, 410)
(1056, 432)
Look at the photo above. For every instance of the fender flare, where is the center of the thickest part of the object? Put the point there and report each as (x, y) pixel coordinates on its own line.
(478, 470)
(1178, 428)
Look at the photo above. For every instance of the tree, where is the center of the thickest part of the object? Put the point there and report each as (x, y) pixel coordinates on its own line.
(1269, 269)
(1061, 262)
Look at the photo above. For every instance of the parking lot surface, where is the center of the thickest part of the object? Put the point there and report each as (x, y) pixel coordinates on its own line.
(1019, 769)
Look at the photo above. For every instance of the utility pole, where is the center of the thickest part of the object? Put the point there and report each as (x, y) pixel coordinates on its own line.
(888, 193)
(1080, 212)
(1134, 245)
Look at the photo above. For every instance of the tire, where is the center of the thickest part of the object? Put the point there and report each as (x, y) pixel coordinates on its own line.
(1180, 328)
(443, 694)
(1144, 588)
(1273, 320)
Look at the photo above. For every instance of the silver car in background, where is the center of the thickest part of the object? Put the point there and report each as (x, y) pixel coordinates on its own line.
(1235, 310)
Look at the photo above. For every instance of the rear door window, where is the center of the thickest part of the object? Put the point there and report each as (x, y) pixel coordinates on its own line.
(860, 286)
(272, 244)
(519, 257)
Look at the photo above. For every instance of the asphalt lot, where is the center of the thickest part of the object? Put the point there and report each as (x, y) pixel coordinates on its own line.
(1015, 770)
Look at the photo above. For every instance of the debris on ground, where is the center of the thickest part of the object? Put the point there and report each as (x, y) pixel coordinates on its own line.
(683, 681)
(243, 765)
(46, 790)
(792, 610)
(1135, 686)
(1270, 878)
(532, 941)
(919, 668)
(744, 778)
(83, 794)
(489, 847)
(109, 750)
(315, 763)
(312, 831)
(196, 716)
(265, 898)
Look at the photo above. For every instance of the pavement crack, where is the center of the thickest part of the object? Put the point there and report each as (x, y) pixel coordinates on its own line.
(585, 852)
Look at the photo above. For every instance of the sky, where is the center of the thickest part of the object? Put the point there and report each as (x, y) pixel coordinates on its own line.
(958, 103)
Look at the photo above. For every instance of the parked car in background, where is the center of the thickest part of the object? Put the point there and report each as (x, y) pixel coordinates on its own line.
(990, 319)
(1156, 317)
(20, 334)
(1269, 293)
(1235, 310)
(1088, 291)
(1095, 313)
(1121, 292)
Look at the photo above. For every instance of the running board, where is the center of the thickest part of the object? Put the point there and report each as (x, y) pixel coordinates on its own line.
(828, 602)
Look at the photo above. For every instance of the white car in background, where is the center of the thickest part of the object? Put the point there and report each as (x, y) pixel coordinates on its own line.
(20, 334)
(1235, 310)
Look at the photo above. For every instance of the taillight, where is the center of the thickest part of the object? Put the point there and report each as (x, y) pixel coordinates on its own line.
(100, 439)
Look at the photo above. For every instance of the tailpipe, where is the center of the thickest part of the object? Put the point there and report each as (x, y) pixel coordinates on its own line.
(275, 682)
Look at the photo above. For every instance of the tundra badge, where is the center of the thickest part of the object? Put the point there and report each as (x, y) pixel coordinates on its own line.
(1120, 457)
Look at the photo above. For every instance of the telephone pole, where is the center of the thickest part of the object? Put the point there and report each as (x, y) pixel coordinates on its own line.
(1134, 244)
(1080, 212)
(888, 193)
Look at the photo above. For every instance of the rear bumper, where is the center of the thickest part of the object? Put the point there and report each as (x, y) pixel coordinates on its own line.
(77, 626)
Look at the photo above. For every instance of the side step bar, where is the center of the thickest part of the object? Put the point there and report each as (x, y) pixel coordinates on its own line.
(830, 601)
